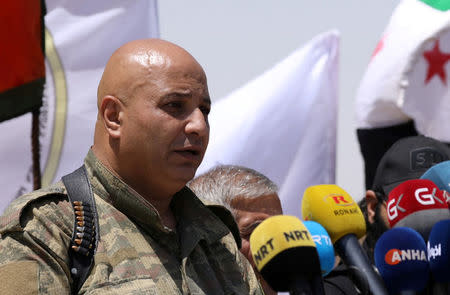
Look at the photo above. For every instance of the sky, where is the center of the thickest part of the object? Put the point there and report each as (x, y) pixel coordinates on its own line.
(236, 41)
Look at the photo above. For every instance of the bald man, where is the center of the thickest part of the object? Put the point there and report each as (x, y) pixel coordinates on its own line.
(155, 236)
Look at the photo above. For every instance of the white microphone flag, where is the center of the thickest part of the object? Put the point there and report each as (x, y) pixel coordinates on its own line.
(283, 123)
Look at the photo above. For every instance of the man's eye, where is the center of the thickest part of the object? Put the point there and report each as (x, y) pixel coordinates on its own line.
(205, 110)
(174, 104)
(245, 236)
(174, 108)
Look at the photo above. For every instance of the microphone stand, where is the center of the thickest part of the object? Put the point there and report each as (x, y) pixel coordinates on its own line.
(358, 258)
(301, 286)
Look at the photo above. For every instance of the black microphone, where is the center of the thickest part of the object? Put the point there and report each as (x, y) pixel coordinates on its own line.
(285, 254)
(334, 209)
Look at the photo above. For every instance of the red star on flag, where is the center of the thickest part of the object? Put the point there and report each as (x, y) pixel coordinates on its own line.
(436, 61)
(380, 46)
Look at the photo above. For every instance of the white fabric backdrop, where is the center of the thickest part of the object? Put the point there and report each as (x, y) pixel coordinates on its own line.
(283, 123)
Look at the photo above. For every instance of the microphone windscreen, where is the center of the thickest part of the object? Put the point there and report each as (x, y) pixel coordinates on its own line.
(439, 251)
(283, 250)
(324, 246)
(440, 175)
(334, 209)
(400, 256)
(417, 204)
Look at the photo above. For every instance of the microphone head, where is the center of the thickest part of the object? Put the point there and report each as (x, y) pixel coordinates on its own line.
(439, 251)
(440, 175)
(334, 209)
(283, 250)
(400, 256)
(417, 204)
(324, 246)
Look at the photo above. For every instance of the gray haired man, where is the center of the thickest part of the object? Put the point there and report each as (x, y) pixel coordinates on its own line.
(249, 195)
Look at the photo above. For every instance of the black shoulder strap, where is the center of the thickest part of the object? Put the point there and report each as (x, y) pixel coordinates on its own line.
(85, 230)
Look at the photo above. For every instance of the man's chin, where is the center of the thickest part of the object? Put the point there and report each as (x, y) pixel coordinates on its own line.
(374, 232)
(185, 173)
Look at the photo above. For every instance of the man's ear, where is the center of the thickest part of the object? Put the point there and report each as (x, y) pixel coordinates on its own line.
(371, 201)
(111, 111)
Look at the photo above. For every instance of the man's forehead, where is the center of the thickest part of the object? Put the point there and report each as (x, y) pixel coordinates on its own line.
(269, 203)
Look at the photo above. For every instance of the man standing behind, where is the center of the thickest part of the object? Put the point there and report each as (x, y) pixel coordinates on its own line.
(408, 158)
(249, 195)
(156, 237)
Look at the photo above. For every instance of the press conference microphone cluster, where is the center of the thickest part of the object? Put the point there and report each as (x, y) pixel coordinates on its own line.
(342, 218)
(285, 254)
(408, 265)
(421, 206)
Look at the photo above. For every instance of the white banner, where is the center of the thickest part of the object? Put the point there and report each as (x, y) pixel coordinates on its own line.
(80, 37)
(283, 123)
(409, 74)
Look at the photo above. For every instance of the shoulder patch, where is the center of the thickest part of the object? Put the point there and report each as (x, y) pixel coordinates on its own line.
(10, 220)
(227, 218)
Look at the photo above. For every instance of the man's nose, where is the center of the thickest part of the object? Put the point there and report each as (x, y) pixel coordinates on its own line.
(197, 123)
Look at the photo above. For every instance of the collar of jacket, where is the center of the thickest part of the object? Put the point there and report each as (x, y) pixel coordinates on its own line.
(195, 221)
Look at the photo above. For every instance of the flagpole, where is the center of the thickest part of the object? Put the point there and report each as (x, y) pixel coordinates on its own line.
(35, 150)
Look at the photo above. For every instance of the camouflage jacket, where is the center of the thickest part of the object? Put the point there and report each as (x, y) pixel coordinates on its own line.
(136, 253)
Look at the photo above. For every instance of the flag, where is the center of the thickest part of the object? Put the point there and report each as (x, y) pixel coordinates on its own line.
(283, 123)
(22, 57)
(80, 37)
(408, 77)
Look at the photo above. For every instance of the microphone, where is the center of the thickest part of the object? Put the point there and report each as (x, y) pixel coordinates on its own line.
(324, 246)
(440, 175)
(439, 251)
(285, 255)
(332, 207)
(400, 256)
(417, 204)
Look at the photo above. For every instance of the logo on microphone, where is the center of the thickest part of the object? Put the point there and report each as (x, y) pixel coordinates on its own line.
(394, 206)
(434, 251)
(426, 198)
(395, 256)
(446, 196)
(340, 200)
(263, 251)
(392, 210)
(322, 239)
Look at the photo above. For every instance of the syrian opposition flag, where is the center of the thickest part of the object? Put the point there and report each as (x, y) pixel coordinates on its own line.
(405, 89)
(283, 123)
(80, 37)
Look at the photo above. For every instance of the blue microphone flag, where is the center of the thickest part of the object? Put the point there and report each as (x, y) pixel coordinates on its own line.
(324, 246)
(400, 256)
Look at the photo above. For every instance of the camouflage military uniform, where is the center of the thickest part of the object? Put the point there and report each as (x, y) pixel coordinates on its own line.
(136, 253)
